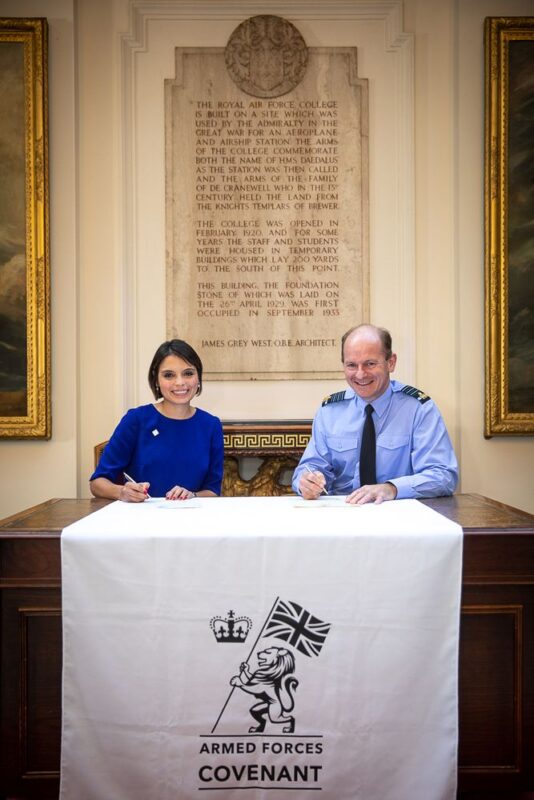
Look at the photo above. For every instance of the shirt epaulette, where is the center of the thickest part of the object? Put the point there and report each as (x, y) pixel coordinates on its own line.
(411, 391)
(334, 398)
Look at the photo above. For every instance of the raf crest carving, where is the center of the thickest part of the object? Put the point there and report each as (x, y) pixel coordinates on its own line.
(266, 56)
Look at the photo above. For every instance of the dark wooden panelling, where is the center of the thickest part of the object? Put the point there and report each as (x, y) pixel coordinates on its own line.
(497, 691)
(490, 688)
(41, 688)
(30, 562)
(30, 692)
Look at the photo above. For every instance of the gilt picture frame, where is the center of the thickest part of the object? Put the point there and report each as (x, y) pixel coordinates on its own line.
(509, 226)
(24, 230)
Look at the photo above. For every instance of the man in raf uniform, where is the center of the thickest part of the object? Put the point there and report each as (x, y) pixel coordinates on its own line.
(379, 439)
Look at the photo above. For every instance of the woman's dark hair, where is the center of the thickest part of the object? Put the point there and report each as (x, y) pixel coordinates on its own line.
(174, 347)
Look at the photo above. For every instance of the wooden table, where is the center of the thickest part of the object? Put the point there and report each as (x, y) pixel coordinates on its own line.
(496, 648)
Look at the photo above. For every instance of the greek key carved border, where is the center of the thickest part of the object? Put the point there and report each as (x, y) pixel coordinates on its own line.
(266, 438)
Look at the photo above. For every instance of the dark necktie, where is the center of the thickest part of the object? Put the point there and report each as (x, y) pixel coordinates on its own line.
(368, 449)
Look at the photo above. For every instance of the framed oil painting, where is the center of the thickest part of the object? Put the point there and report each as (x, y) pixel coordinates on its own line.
(509, 226)
(24, 262)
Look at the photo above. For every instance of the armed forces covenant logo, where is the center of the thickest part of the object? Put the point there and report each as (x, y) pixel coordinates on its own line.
(267, 751)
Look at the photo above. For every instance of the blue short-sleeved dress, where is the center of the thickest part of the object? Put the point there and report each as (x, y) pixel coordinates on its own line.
(165, 452)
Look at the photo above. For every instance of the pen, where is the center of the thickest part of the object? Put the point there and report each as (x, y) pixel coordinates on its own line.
(310, 470)
(131, 480)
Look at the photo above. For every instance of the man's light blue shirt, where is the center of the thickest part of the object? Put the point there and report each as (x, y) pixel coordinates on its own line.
(413, 449)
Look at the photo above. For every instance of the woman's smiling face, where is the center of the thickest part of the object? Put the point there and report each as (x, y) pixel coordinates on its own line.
(178, 380)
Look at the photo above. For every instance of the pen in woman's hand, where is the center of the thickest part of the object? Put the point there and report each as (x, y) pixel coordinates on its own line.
(131, 480)
(312, 472)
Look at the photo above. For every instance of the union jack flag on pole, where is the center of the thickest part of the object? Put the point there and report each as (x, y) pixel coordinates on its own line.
(296, 626)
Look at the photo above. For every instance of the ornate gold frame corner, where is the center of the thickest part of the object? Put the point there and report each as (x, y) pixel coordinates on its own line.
(504, 412)
(31, 34)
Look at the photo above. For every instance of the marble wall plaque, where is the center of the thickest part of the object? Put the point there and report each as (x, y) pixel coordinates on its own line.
(267, 216)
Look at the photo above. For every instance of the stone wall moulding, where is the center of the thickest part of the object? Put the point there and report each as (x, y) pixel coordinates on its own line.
(267, 202)
(376, 27)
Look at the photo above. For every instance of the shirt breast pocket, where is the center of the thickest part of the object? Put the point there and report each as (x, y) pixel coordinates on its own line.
(342, 450)
(393, 456)
(393, 442)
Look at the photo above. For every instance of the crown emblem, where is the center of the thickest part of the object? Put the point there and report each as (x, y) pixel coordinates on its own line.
(232, 629)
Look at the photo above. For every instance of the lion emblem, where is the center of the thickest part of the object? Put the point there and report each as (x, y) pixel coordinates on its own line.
(273, 684)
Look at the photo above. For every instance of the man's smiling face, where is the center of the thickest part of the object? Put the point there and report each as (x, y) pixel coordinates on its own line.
(366, 368)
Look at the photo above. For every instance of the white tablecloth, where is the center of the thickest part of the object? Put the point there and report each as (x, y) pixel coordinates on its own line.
(349, 669)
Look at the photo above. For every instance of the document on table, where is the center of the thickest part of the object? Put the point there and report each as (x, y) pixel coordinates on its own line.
(180, 505)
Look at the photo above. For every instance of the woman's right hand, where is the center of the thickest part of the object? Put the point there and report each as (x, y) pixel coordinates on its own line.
(134, 492)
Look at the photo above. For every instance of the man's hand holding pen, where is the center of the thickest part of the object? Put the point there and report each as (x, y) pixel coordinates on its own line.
(312, 484)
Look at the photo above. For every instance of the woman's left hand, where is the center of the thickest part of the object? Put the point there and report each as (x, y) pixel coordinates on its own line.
(179, 493)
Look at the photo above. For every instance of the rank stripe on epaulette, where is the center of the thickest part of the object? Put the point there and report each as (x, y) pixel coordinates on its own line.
(334, 398)
(411, 391)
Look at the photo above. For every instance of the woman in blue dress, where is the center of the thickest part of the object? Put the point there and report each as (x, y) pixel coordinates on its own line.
(169, 447)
